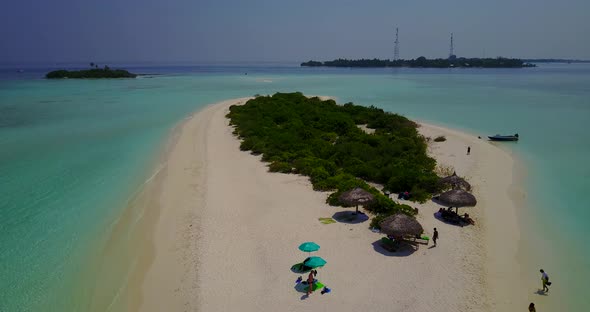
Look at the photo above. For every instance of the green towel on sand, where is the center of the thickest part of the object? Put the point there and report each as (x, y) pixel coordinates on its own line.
(317, 285)
(327, 220)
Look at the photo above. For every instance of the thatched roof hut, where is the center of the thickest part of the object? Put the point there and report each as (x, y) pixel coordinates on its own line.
(355, 197)
(400, 224)
(455, 182)
(457, 198)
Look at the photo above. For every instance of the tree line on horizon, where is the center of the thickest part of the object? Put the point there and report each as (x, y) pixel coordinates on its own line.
(500, 62)
(92, 73)
(552, 60)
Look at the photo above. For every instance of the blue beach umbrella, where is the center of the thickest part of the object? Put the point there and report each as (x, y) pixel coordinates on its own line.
(309, 247)
(314, 262)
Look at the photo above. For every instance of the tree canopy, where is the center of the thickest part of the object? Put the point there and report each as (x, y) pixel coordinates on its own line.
(94, 73)
(322, 140)
(499, 62)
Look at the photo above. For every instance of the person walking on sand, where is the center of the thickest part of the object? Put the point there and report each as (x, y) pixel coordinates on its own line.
(545, 280)
(532, 307)
(435, 236)
(468, 150)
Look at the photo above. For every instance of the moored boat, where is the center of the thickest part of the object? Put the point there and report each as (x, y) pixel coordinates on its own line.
(498, 137)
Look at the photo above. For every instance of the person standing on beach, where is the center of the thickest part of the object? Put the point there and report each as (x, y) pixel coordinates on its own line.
(545, 280)
(468, 150)
(310, 279)
(532, 307)
(435, 236)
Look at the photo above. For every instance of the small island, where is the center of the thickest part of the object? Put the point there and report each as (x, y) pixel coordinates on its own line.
(552, 60)
(423, 62)
(93, 73)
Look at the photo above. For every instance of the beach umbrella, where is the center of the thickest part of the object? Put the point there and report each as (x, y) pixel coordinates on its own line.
(309, 247)
(355, 197)
(314, 262)
(399, 225)
(457, 198)
(455, 182)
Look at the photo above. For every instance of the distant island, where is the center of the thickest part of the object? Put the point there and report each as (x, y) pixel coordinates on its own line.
(550, 60)
(93, 73)
(423, 62)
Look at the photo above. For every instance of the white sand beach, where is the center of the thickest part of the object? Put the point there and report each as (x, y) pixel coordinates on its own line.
(227, 234)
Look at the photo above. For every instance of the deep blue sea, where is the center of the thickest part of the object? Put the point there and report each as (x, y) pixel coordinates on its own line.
(74, 152)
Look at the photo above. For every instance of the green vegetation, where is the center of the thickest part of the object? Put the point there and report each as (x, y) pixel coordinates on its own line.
(556, 61)
(499, 62)
(93, 73)
(322, 140)
(440, 138)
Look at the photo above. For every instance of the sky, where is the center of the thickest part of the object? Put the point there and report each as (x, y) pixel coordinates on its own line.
(202, 31)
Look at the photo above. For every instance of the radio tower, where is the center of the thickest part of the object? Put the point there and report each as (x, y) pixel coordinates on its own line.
(451, 52)
(396, 46)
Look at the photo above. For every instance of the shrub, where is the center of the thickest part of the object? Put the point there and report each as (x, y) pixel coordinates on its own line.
(375, 221)
(440, 138)
(320, 139)
(90, 73)
(278, 166)
(247, 144)
(318, 174)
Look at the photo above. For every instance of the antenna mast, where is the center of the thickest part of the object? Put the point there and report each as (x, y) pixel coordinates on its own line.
(451, 52)
(396, 46)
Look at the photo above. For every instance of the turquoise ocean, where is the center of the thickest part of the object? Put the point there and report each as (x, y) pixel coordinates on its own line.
(75, 153)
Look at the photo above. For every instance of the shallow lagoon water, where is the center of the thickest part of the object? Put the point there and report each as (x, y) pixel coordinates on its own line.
(74, 152)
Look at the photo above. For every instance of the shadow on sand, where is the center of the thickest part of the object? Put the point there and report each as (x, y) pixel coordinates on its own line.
(297, 268)
(439, 217)
(540, 292)
(404, 250)
(302, 287)
(350, 217)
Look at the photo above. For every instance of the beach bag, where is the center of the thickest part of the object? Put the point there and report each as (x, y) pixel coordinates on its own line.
(547, 282)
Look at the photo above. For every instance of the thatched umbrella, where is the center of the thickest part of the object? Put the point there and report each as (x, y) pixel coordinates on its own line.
(457, 198)
(399, 225)
(456, 182)
(355, 197)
